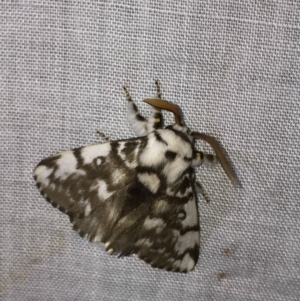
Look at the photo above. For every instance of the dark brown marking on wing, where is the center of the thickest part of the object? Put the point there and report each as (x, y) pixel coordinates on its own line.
(170, 155)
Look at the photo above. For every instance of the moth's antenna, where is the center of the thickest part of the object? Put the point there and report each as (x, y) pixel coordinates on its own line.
(219, 152)
(165, 105)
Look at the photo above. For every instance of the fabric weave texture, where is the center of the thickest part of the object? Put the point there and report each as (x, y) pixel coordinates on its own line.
(233, 67)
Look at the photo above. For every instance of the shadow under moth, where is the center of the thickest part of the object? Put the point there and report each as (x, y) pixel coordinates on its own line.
(135, 195)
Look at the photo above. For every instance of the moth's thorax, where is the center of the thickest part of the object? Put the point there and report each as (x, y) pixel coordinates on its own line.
(178, 140)
(182, 131)
(168, 151)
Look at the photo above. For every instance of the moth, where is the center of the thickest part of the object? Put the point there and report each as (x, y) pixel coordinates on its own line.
(135, 195)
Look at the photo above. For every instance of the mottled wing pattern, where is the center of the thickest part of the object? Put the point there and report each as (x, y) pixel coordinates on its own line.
(135, 196)
(90, 184)
(169, 237)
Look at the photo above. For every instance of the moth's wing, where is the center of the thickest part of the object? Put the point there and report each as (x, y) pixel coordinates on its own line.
(107, 201)
(169, 237)
(91, 184)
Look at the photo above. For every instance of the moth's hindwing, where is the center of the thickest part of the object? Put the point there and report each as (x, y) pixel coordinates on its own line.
(135, 196)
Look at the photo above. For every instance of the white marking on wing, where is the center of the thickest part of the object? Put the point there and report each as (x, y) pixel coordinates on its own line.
(102, 190)
(176, 264)
(89, 153)
(151, 181)
(120, 148)
(191, 218)
(161, 206)
(170, 191)
(87, 210)
(181, 215)
(110, 251)
(186, 241)
(42, 173)
(144, 241)
(151, 223)
(117, 176)
(187, 263)
(97, 239)
(67, 165)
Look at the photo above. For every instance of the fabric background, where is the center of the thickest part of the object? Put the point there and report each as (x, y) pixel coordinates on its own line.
(232, 67)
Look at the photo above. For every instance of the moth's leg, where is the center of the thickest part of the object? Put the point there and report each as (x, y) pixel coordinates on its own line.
(200, 158)
(155, 121)
(137, 121)
(199, 189)
(102, 135)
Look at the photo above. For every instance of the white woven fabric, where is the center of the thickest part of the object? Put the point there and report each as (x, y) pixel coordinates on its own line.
(232, 66)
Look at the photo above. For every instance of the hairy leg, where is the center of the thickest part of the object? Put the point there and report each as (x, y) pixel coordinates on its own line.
(140, 124)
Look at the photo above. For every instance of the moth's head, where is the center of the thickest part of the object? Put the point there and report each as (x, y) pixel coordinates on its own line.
(165, 105)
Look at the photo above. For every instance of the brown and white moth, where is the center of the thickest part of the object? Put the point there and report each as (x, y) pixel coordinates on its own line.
(135, 195)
